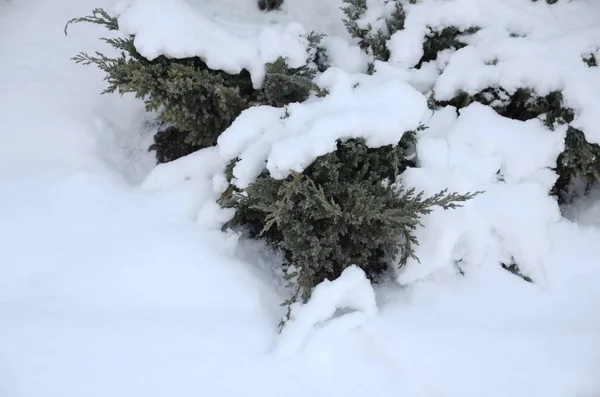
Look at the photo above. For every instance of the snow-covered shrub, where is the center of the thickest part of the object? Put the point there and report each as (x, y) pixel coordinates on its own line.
(195, 102)
(590, 59)
(347, 207)
(283, 85)
(438, 40)
(580, 160)
(374, 28)
(372, 35)
(500, 65)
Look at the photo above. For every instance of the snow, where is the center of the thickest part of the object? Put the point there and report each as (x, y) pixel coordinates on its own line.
(478, 149)
(535, 45)
(177, 30)
(352, 290)
(344, 55)
(115, 279)
(379, 109)
(587, 211)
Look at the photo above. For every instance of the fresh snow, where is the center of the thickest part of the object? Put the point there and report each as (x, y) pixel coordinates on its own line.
(520, 44)
(226, 48)
(352, 290)
(510, 162)
(378, 109)
(115, 279)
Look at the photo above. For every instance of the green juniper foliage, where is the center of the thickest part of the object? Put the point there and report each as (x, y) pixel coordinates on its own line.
(171, 143)
(354, 10)
(580, 159)
(439, 40)
(374, 42)
(590, 60)
(317, 54)
(514, 269)
(284, 85)
(269, 5)
(370, 41)
(345, 208)
(195, 102)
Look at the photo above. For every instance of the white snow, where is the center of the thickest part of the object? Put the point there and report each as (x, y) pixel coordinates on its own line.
(352, 290)
(177, 30)
(379, 109)
(477, 149)
(114, 287)
(202, 164)
(345, 55)
(545, 55)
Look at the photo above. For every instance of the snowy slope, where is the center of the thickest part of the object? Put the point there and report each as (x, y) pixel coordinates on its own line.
(110, 287)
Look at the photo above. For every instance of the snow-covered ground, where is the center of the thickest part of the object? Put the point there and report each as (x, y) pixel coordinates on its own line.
(110, 287)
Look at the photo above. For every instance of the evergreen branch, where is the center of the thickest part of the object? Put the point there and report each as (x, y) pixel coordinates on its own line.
(288, 305)
(300, 81)
(99, 17)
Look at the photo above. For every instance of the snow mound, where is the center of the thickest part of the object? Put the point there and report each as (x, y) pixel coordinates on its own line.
(203, 171)
(201, 164)
(176, 29)
(378, 108)
(352, 290)
(510, 161)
